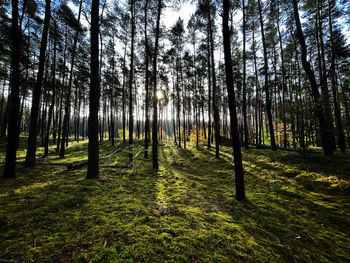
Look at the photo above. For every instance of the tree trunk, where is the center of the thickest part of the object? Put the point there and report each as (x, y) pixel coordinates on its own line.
(246, 135)
(178, 103)
(123, 95)
(31, 148)
(131, 119)
(323, 74)
(240, 193)
(69, 91)
(93, 148)
(14, 100)
(267, 89)
(155, 100)
(209, 93)
(337, 113)
(146, 83)
(215, 95)
(5, 118)
(326, 133)
(53, 86)
(257, 98)
(285, 137)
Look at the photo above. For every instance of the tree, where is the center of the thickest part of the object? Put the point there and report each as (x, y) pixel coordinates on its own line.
(13, 123)
(93, 148)
(146, 81)
(240, 192)
(326, 133)
(211, 24)
(53, 96)
(244, 88)
(69, 91)
(31, 148)
(266, 85)
(131, 76)
(155, 99)
(337, 112)
(176, 38)
(285, 136)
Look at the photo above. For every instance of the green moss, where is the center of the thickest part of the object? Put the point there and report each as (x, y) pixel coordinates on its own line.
(297, 208)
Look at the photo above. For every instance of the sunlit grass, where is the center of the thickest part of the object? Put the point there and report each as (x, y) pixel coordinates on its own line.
(297, 208)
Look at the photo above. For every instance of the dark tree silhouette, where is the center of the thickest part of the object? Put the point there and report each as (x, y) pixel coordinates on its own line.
(240, 193)
(33, 127)
(266, 84)
(14, 103)
(93, 148)
(327, 134)
(155, 99)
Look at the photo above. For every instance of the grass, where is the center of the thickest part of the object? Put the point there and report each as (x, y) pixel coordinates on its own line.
(297, 209)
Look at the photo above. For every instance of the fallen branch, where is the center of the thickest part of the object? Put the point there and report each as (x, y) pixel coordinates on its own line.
(81, 164)
(115, 166)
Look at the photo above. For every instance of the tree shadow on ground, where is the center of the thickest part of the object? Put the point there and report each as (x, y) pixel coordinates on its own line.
(275, 215)
(185, 212)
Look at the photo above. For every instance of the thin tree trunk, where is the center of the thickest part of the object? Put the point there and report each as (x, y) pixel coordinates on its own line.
(209, 92)
(131, 120)
(146, 83)
(337, 113)
(155, 100)
(53, 87)
(267, 89)
(285, 137)
(326, 133)
(245, 127)
(31, 148)
(215, 95)
(69, 91)
(123, 95)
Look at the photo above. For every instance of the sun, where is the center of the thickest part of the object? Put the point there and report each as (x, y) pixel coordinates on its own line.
(159, 94)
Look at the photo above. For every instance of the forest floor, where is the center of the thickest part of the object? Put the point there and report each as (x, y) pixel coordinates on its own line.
(297, 208)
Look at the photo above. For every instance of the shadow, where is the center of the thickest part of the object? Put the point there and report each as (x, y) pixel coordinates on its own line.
(185, 212)
(275, 215)
(50, 214)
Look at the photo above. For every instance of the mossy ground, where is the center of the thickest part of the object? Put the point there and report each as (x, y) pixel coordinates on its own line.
(297, 209)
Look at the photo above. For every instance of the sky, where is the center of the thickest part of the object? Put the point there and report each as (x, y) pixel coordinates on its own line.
(170, 15)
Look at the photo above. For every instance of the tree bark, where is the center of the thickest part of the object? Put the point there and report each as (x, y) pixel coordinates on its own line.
(285, 137)
(215, 95)
(131, 117)
(266, 86)
(93, 148)
(69, 91)
(209, 93)
(326, 133)
(245, 127)
(155, 99)
(240, 193)
(53, 86)
(337, 113)
(31, 148)
(14, 100)
(146, 83)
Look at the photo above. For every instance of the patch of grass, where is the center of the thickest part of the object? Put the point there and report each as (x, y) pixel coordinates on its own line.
(297, 209)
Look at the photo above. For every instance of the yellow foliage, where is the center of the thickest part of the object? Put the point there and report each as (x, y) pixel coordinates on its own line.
(193, 135)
